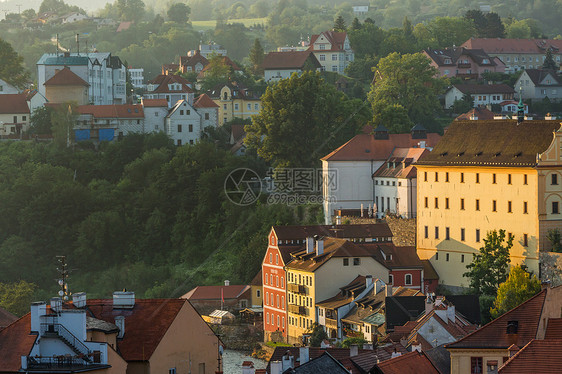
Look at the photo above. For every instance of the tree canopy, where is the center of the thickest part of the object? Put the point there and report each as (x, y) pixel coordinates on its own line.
(303, 107)
(518, 287)
(11, 66)
(179, 12)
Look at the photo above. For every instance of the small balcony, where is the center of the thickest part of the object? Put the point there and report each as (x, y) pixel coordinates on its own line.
(464, 65)
(62, 363)
(467, 76)
(332, 323)
(296, 288)
(297, 309)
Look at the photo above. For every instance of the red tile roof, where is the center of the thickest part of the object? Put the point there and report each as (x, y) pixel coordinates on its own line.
(374, 230)
(15, 341)
(113, 111)
(481, 113)
(364, 147)
(164, 80)
(214, 292)
(397, 257)
(6, 318)
(288, 60)
(146, 323)
(151, 103)
(538, 356)
(13, 104)
(336, 39)
(65, 77)
(237, 132)
(497, 45)
(554, 329)
(413, 362)
(204, 101)
(494, 334)
(193, 60)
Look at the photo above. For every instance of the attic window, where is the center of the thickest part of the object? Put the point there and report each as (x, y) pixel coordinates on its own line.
(497, 154)
(512, 327)
(444, 154)
(479, 153)
(367, 151)
(518, 154)
(129, 110)
(460, 154)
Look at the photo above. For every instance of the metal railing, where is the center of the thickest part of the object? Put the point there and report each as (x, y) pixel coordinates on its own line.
(66, 336)
(297, 309)
(57, 362)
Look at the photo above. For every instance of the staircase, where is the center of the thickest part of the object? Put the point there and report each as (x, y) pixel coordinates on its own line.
(69, 339)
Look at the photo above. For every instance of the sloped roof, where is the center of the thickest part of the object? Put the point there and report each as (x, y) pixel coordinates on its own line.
(401, 257)
(494, 334)
(65, 77)
(413, 362)
(364, 147)
(288, 60)
(492, 143)
(237, 132)
(400, 163)
(154, 103)
(325, 363)
(538, 75)
(554, 329)
(100, 325)
(481, 113)
(15, 341)
(258, 279)
(346, 295)
(14, 104)
(538, 356)
(440, 357)
(401, 309)
(501, 45)
(204, 101)
(477, 55)
(428, 270)
(124, 25)
(52, 59)
(6, 318)
(372, 230)
(225, 61)
(146, 323)
(215, 292)
(336, 39)
(113, 111)
(484, 88)
(164, 80)
(193, 60)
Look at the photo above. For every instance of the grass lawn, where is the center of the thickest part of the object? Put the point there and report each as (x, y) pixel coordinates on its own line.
(209, 25)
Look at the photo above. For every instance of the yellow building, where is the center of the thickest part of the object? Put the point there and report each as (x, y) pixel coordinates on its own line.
(483, 176)
(65, 86)
(316, 273)
(234, 101)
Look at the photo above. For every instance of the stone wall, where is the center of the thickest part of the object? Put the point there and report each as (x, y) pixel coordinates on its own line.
(403, 229)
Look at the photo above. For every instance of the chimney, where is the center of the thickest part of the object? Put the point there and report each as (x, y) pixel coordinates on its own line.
(79, 299)
(38, 309)
(56, 304)
(304, 355)
(276, 367)
(353, 350)
(120, 323)
(368, 281)
(379, 285)
(123, 300)
(388, 290)
(319, 246)
(428, 304)
(416, 346)
(309, 244)
(248, 368)
(227, 283)
(288, 361)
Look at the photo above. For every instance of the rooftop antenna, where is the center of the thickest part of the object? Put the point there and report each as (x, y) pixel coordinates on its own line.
(520, 107)
(63, 278)
(19, 8)
(78, 43)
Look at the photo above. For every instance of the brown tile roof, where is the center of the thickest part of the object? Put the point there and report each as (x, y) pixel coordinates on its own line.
(374, 230)
(288, 60)
(164, 80)
(333, 247)
(13, 104)
(413, 362)
(258, 279)
(400, 163)
(454, 54)
(494, 334)
(336, 39)
(428, 270)
(113, 111)
(204, 101)
(538, 356)
(151, 103)
(225, 61)
(484, 88)
(481, 113)
(146, 323)
(193, 60)
(396, 257)
(364, 147)
(237, 132)
(497, 45)
(15, 341)
(347, 293)
(538, 75)
(492, 143)
(554, 329)
(65, 77)
(6, 318)
(214, 292)
(124, 25)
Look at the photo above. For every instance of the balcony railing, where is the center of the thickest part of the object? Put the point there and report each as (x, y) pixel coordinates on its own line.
(296, 288)
(464, 65)
(331, 323)
(59, 330)
(63, 362)
(297, 309)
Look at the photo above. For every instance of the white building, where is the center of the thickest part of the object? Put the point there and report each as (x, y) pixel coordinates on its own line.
(137, 77)
(536, 84)
(6, 88)
(206, 50)
(347, 172)
(105, 74)
(395, 183)
(183, 124)
(171, 87)
(281, 65)
(482, 94)
(74, 17)
(155, 112)
(360, 10)
(333, 50)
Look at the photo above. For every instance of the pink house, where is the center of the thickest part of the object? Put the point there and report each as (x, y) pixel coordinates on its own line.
(463, 63)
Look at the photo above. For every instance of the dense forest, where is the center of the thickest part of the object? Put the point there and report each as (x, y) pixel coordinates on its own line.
(139, 214)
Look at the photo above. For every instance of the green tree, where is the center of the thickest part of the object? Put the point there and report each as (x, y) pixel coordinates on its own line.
(494, 26)
(317, 335)
(339, 24)
(479, 19)
(16, 298)
(444, 32)
(11, 66)
(348, 342)
(554, 237)
(355, 24)
(217, 72)
(549, 61)
(489, 267)
(463, 105)
(179, 12)
(40, 122)
(409, 81)
(130, 10)
(518, 287)
(303, 107)
(256, 57)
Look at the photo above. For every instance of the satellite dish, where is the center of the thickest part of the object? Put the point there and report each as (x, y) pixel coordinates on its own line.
(61, 293)
(221, 350)
(61, 282)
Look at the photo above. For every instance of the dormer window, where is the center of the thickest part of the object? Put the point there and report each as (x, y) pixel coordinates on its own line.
(512, 327)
